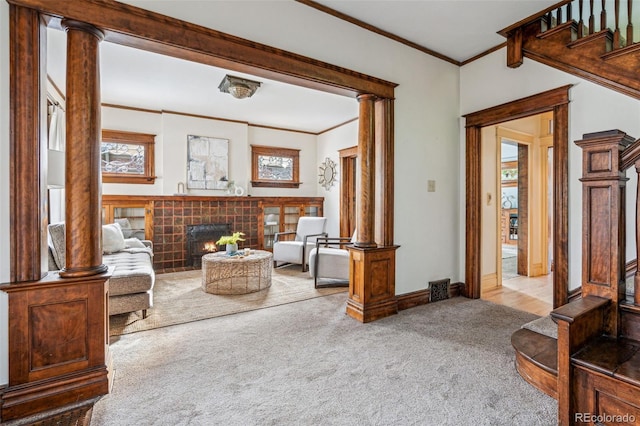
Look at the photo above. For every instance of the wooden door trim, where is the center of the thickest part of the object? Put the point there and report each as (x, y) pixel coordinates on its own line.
(347, 155)
(555, 100)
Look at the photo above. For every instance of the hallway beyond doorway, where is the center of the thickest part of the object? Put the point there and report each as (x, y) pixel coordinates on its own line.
(534, 295)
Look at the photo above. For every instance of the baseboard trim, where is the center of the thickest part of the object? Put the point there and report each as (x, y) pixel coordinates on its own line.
(422, 297)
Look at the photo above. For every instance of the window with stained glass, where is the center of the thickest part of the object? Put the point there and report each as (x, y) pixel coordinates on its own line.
(127, 157)
(275, 167)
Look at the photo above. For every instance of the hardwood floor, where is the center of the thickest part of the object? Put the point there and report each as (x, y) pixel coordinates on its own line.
(533, 295)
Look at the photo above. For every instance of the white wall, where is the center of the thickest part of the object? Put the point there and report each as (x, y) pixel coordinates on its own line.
(305, 142)
(328, 145)
(489, 209)
(141, 122)
(488, 82)
(171, 132)
(176, 128)
(426, 117)
(4, 190)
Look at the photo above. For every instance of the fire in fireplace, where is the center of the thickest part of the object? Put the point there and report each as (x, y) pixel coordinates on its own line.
(201, 239)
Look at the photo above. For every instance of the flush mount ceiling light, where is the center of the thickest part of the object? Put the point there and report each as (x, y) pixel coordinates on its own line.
(237, 87)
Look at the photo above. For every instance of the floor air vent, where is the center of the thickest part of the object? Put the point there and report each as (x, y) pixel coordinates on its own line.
(439, 290)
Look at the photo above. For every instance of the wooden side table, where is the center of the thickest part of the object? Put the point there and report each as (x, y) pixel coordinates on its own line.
(223, 274)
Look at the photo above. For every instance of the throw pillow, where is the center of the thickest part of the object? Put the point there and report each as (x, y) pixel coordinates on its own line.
(57, 244)
(125, 225)
(133, 243)
(112, 238)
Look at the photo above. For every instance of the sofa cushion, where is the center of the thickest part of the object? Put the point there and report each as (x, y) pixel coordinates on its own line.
(112, 238)
(133, 272)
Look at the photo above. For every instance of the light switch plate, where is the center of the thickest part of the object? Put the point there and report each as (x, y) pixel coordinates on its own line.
(431, 186)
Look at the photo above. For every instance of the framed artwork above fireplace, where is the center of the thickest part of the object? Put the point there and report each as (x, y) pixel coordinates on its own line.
(207, 162)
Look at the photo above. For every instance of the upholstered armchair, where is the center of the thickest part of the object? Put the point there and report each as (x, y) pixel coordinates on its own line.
(297, 250)
(329, 260)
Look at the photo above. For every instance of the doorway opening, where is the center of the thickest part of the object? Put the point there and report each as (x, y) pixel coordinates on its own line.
(516, 158)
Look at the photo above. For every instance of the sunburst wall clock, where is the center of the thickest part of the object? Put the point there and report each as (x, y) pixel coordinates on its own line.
(327, 175)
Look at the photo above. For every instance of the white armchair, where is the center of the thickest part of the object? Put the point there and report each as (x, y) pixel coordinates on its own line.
(297, 250)
(330, 260)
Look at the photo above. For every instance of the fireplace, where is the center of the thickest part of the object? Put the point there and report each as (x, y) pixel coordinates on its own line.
(201, 240)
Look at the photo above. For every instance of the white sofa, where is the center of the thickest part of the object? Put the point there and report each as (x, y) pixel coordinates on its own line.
(131, 285)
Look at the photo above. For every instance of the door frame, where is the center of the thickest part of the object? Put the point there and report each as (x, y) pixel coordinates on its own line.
(348, 172)
(557, 101)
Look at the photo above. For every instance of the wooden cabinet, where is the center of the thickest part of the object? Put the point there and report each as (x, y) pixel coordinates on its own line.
(282, 214)
(139, 214)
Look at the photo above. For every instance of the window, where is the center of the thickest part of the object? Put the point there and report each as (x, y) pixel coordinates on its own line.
(275, 167)
(127, 157)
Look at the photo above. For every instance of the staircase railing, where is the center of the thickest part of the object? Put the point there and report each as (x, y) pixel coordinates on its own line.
(614, 16)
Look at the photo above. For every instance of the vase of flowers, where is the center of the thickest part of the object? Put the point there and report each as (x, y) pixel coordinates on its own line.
(231, 242)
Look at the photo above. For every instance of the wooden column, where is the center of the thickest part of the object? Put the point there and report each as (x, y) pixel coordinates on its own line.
(83, 187)
(58, 331)
(372, 266)
(603, 208)
(384, 154)
(28, 146)
(365, 209)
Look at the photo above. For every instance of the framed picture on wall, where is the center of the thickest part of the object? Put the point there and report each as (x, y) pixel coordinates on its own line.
(207, 162)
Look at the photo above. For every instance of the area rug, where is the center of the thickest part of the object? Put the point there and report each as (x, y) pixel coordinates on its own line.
(178, 298)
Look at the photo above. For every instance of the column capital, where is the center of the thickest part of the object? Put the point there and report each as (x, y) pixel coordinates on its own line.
(71, 24)
(366, 97)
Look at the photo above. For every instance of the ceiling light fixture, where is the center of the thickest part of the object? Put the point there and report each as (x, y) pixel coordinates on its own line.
(237, 87)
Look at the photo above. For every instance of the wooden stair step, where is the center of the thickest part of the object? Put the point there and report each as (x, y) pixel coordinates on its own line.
(598, 43)
(537, 359)
(619, 358)
(630, 319)
(566, 32)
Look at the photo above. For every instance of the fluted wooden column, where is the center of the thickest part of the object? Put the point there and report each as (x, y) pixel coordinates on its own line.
(83, 191)
(365, 207)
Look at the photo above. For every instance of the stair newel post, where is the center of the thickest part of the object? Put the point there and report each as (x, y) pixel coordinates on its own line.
(603, 220)
(603, 16)
(616, 32)
(629, 24)
(636, 278)
(592, 19)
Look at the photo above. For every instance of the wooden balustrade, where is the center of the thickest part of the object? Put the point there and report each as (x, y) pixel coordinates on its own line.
(622, 35)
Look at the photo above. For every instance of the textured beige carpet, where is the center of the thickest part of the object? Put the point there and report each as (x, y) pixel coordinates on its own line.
(178, 298)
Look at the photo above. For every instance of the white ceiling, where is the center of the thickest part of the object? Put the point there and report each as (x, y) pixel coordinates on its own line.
(458, 29)
(455, 28)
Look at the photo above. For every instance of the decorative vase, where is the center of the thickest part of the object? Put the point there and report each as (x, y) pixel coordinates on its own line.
(231, 248)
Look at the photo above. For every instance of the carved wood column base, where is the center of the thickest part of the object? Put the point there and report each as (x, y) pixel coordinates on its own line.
(58, 344)
(83, 272)
(372, 285)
